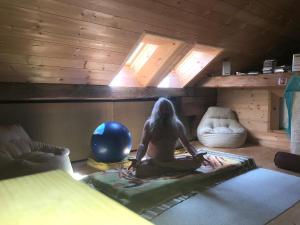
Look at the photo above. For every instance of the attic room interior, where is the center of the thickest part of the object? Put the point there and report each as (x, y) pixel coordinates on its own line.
(149, 112)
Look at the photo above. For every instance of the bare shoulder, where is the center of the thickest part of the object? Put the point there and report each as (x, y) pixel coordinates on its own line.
(180, 126)
(147, 126)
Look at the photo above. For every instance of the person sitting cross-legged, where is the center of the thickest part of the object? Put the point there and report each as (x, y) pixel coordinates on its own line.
(160, 135)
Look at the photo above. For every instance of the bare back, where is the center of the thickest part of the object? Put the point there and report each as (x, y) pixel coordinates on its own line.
(161, 133)
(162, 143)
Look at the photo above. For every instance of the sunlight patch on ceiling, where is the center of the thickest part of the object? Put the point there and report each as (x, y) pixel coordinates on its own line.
(190, 66)
(141, 56)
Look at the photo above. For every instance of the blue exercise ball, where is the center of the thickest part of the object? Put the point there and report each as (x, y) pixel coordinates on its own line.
(111, 142)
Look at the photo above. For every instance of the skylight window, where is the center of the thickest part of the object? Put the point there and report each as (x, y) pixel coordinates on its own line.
(135, 53)
(165, 83)
(169, 81)
(191, 65)
(146, 63)
(163, 62)
(140, 56)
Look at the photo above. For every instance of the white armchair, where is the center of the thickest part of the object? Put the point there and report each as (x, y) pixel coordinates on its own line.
(20, 156)
(220, 128)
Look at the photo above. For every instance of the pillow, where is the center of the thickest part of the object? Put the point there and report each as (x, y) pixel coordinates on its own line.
(15, 148)
(222, 130)
(288, 161)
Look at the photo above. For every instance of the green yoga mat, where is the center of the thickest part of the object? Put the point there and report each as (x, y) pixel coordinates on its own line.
(141, 194)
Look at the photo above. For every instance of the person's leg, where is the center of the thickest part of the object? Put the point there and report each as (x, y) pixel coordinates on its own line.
(186, 163)
(147, 169)
(152, 168)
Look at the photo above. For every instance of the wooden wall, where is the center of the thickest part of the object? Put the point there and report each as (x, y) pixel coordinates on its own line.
(254, 110)
(71, 124)
(48, 116)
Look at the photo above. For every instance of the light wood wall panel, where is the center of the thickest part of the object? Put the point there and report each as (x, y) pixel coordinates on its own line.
(66, 115)
(252, 107)
(71, 124)
(133, 115)
(63, 124)
(94, 37)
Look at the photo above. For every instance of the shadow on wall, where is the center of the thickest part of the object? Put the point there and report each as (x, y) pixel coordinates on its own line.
(71, 124)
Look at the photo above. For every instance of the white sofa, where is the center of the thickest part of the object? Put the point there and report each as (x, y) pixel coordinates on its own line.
(219, 128)
(20, 156)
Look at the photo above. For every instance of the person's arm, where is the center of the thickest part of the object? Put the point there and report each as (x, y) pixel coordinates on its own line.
(191, 149)
(142, 149)
(184, 141)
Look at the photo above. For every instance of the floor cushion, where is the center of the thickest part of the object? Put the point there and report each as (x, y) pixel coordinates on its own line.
(220, 128)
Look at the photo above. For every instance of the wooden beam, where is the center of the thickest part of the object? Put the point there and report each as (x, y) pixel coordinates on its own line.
(11, 92)
(249, 81)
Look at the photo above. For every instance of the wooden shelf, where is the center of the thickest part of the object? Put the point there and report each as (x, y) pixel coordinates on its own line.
(250, 81)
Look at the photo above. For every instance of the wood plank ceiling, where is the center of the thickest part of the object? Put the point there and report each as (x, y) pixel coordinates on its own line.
(86, 42)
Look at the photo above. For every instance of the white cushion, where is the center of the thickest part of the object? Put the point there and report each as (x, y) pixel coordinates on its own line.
(220, 128)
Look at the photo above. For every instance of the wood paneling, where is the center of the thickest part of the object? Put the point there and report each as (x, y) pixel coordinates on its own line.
(96, 36)
(192, 109)
(197, 106)
(133, 115)
(58, 119)
(252, 107)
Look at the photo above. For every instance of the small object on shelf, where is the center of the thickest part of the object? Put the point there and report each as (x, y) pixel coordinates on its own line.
(226, 68)
(267, 71)
(269, 66)
(280, 69)
(296, 62)
(253, 73)
(244, 80)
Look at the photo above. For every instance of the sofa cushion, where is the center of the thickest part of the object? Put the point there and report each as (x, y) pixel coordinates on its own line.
(20, 156)
(216, 112)
(15, 148)
(37, 156)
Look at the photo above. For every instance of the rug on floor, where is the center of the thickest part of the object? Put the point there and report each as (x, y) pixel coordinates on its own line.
(252, 198)
(141, 194)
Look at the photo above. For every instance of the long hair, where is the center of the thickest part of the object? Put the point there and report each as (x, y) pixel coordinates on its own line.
(159, 119)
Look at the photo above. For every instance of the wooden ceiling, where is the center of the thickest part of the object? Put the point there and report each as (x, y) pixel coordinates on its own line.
(86, 42)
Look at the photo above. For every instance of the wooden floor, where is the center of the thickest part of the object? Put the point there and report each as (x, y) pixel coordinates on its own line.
(263, 157)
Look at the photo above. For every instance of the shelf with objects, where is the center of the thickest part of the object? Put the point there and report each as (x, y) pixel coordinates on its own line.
(277, 80)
